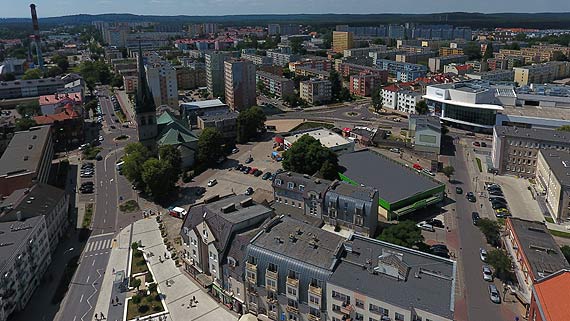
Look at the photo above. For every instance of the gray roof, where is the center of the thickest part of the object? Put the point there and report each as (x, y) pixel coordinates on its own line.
(364, 193)
(218, 116)
(31, 83)
(276, 238)
(559, 163)
(432, 290)
(40, 199)
(212, 103)
(546, 135)
(237, 251)
(393, 181)
(224, 225)
(539, 247)
(13, 235)
(25, 150)
(318, 185)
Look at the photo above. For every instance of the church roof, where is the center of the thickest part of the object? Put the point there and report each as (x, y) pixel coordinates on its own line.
(144, 103)
(173, 131)
(176, 137)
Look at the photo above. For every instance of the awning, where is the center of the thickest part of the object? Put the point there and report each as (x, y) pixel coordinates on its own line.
(346, 129)
(204, 280)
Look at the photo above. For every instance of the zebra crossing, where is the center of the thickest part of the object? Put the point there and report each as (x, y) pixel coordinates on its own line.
(99, 245)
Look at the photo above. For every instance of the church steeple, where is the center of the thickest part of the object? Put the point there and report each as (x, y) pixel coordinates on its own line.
(144, 100)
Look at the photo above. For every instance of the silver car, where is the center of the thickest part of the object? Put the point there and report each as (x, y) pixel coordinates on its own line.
(494, 294)
(487, 274)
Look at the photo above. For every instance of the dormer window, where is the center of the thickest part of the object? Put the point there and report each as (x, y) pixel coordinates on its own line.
(278, 182)
(291, 185)
(301, 188)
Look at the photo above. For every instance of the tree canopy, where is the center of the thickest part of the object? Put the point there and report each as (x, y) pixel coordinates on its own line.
(29, 109)
(491, 230)
(35, 73)
(422, 107)
(338, 91)
(377, 99)
(405, 233)
(448, 171)
(308, 156)
(210, 146)
(565, 128)
(566, 252)
(501, 263)
(249, 122)
(25, 123)
(135, 156)
(157, 177)
(94, 72)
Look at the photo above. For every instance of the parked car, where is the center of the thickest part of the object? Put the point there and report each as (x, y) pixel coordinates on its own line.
(435, 222)
(249, 191)
(425, 226)
(471, 197)
(494, 294)
(483, 254)
(497, 205)
(266, 176)
(439, 247)
(99, 157)
(459, 190)
(272, 177)
(246, 170)
(235, 150)
(497, 198)
(475, 217)
(483, 144)
(496, 193)
(476, 144)
(417, 166)
(428, 172)
(252, 170)
(395, 150)
(249, 160)
(257, 173)
(487, 274)
(212, 182)
(440, 253)
(239, 167)
(502, 212)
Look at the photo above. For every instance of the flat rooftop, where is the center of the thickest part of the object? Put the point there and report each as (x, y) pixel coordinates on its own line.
(542, 252)
(24, 152)
(38, 200)
(559, 164)
(277, 238)
(13, 235)
(327, 138)
(203, 104)
(393, 181)
(538, 112)
(423, 281)
(547, 135)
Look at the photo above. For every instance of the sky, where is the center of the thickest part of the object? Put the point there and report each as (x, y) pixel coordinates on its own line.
(51, 8)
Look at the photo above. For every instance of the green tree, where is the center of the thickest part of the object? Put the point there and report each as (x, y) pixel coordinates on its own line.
(472, 50)
(405, 233)
(488, 51)
(491, 230)
(261, 87)
(559, 56)
(54, 71)
(135, 156)
(210, 146)
(94, 72)
(136, 283)
(377, 99)
(296, 45)
(156, 176)
(171, 156)
(308, 156)
(565, 128)
(60, 61)
(8, 77)
(117, 81)
(448, 171)
(336, 85)
(520, 37)
(25, 123)
(32, 74)
(422, 107)
(501, 263)
(29, 109)
(249, 122)
(91, 105)
(136, 299)
(566, 252)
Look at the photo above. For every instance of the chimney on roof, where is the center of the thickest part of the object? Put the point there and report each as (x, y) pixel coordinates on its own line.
(246, 202)
(229, 208)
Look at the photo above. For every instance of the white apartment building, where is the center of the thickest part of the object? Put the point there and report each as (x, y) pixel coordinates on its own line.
(161, 78)
(390, 97)
(315, 91)
(282, 59)
(407, 101)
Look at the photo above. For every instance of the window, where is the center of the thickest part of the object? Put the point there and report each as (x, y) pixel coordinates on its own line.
(213, 268)
(301, 188)
(291, 291)
(278, 182)
(290, 185)
(314, 300)
(270, 283)
(399, 317)
(194, 252)
(359, 303)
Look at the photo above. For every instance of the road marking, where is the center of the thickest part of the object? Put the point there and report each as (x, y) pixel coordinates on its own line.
(87, 279)
(104, 221)
(100, 235)
(93, 264)
(74, 317)
(80, 300)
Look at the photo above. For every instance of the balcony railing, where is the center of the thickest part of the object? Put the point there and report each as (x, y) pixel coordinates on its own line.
(292, 309)
(292, 282)
(272, 315)
(315, 289)
(250, 266)
(346, 309)
(271, 274)
(313, 317)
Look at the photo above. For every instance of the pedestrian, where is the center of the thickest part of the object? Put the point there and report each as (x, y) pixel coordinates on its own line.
(194, 299)
(113, 270)
(96, 316)
(102, 316)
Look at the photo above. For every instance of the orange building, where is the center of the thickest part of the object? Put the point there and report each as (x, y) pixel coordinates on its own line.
(549, 301)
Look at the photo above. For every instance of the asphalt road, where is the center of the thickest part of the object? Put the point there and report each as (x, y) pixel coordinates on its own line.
(84, 289)
(479, 305)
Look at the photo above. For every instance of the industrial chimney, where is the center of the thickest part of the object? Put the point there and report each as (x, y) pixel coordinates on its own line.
(37, 36)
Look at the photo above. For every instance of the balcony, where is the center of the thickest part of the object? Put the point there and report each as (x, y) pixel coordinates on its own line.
(346, 309)
(252, 306)
(315, 290)
(292, 282)
(271, 274)
(272, 300)
(313, 317)
(251, 267)
(272, 315)
(292, 309)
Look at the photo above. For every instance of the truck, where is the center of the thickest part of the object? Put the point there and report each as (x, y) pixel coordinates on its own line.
(177, 212)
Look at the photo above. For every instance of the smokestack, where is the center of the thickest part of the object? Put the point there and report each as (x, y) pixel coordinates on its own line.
(37, 36)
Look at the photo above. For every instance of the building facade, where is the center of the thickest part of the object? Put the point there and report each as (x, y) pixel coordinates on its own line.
(553, 178)
(30, 88)
(402, 71)
(365, 83)
(425, 132)
(275, 85)
(225, 122)
(215, 72)
(315, 91)
(541, 73)
(162, 81)
(342, 40)
(240, 86)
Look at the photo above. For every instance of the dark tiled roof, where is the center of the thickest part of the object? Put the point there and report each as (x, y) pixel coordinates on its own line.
(25, 150)
(424, 281)
(37, 200)
(318, 185)
(559, 164)
(13, 235)
(547, 135)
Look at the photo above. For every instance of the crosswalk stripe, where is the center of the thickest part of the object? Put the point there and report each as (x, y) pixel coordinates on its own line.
(97, 244)
(106, 245)
(89, 246)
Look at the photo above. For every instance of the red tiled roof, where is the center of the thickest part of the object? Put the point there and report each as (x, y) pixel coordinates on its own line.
(60, 98)
(552, 295)
(463, 67)
(393, 88)
(67, 113)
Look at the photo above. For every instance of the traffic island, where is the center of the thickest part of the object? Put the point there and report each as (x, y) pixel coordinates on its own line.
(129, 206)
(122, 137)
(144, 303)
(88, 216)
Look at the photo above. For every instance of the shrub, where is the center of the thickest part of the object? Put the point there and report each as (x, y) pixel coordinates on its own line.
(136, 299)
(152, 287)
(149, 279)
(134, 245)
(156, 308)
(158, 297)
(138, 253)
(143, 308)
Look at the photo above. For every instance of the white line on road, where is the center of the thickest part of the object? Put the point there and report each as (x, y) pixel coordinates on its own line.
(93, 264)
(87, 279)
(100, 235)
(74, 317)
(80, 299)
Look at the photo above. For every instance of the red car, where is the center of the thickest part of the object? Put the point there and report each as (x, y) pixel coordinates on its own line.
(476, 144)
(252, 170)
(418, 166)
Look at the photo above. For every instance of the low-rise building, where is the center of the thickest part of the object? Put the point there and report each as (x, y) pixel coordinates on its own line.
(30, 88)
(548, 300)
(377, 280)
(130, 83)
(541, 73)
(191, 110)
(515, 150)
(326, 137)
(407, 101)
(402, 97)
(478, 65)
(49, 104)
(553, 178)
(27, 160)
(319, 63)
(535, 253)
(177, 133)
(315, 91)
(24, 261)
(275, 85)
(67, 127)
(224, 122)
(425, 132)
(311, 72)
(493, 75)
(437, 64)
(288, 264)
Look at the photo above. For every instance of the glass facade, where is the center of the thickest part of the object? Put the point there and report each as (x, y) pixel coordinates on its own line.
(485, 117)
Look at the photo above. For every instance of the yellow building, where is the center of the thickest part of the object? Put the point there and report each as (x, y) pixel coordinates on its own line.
(450, 51)
(342, 40)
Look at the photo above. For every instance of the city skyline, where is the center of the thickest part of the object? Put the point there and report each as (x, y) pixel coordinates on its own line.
(54, 8)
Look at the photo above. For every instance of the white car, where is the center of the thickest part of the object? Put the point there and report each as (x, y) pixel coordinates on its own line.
(101, 138)
(212, 182)
(428, 172)
(494, 294)
(487, 274)
(483, 255)
(425, 226)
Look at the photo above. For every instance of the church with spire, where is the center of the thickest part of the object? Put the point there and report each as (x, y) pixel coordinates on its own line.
(145, 109)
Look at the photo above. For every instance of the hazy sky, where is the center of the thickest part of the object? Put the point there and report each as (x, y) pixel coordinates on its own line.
(50, 8)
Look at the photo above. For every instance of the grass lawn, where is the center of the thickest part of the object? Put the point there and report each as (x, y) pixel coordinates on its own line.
(88, 215)
(129, 206)
(121, 116)
(148, 305)
(560, 234)
(479, 165)
(91, 152)
(549, 219)
(139, 264)
(312, 124)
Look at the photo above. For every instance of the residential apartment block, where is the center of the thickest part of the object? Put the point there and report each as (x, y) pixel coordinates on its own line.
(437, 64)
(493, 75)
(401, 70)
(280, 58)
(190, 77)
(215, 72)
(515, 150)
(377, 281)
(30, 88)
(365, 83)
(342, 40)
(541, 73)
(257, 60)
(162, 81)
(275, 85)
(240, 86)
(402, 97)
(299, 195)
(27, 160)
(320, 64)
(315, 91)
(553, 178)
(450, 51)
(415, 57)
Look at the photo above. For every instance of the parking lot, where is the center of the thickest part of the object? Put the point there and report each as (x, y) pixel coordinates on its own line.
(521, 203)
